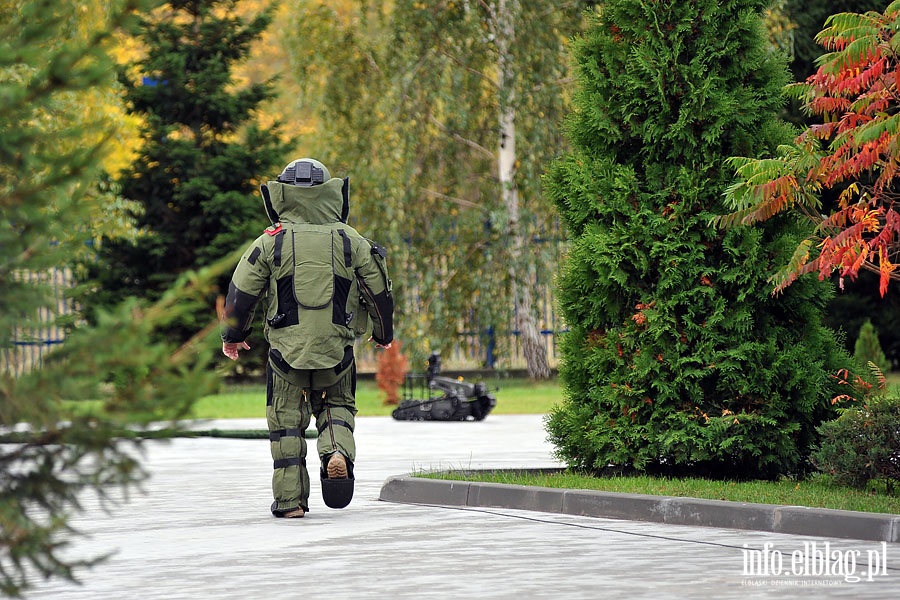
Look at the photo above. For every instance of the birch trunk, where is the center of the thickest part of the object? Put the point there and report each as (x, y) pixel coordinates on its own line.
(533, 347)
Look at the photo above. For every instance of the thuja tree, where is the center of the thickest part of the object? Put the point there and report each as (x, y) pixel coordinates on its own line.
(678, 357)
(203, 155)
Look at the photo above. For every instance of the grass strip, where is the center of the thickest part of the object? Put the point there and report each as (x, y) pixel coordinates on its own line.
(816, 491)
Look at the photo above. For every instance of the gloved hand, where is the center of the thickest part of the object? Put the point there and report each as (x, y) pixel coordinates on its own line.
(377, 345)
(232, 350)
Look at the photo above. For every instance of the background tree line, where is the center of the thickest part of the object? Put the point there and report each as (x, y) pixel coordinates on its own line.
(408, 99)
(419, 104)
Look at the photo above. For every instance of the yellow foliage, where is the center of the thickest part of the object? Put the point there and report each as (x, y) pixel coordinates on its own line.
(780, 27)
(99, 111)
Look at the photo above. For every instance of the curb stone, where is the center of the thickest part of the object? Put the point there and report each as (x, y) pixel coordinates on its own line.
(671, 510)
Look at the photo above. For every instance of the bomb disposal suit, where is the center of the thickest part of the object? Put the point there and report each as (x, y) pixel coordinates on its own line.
(320, 283)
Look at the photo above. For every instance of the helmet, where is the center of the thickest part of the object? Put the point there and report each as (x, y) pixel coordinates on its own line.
(305, 172)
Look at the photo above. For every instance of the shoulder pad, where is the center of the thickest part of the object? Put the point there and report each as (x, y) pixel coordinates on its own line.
(379, 250)
(274, 229)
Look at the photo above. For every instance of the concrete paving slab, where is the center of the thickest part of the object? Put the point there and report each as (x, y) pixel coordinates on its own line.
(800, 520)
(202, 530)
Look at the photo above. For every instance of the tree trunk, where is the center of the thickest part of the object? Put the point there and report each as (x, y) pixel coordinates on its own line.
(532, 345)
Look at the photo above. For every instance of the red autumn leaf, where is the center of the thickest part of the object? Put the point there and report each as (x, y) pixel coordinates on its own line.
(855, 151)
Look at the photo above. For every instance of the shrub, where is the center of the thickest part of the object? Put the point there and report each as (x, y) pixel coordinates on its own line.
(392, 370)
(862, 445)
(868, 348)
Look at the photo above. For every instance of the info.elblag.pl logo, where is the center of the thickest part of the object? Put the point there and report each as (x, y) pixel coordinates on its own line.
(816, 560)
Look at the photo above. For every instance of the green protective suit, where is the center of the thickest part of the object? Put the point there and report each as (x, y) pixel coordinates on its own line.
(321, 284)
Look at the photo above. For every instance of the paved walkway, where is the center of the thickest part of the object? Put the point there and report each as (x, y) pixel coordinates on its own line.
(203, 530)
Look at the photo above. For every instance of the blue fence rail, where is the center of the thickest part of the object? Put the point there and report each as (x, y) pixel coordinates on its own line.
(29, 344)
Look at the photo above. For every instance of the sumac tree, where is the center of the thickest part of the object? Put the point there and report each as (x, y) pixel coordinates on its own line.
(853, 152)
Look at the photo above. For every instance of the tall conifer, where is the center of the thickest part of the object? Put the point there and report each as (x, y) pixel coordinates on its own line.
(204, 155)
(678, 357)
(54, 448)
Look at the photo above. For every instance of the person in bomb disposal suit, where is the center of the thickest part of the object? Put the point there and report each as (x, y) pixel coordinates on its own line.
(322, 284)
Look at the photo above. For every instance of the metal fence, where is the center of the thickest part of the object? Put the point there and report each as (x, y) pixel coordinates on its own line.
(501, 348)
(471, 350)
(30, 343)
(479, 349)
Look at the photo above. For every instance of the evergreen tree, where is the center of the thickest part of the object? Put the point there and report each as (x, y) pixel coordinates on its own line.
(868, 348)
(850, 308)
(677, 356)
(203, 156)
(53, 449)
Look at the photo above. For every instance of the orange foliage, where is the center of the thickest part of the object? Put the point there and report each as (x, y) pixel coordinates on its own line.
(855, 92)
(391, 371)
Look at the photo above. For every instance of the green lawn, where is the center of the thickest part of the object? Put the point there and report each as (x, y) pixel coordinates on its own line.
(514, 396)
(518, 396)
